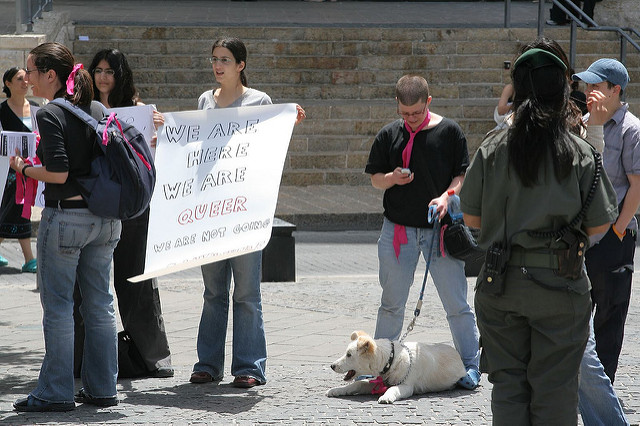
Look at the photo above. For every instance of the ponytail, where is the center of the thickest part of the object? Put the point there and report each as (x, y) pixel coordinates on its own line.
(55, 56)
(82, 89)
(243, 78)
(541, 123)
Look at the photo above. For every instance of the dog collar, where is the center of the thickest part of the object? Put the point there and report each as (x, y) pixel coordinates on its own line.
(390, 361)
(408, 369)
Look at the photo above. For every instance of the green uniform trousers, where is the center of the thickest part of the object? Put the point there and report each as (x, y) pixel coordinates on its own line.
(533, 339)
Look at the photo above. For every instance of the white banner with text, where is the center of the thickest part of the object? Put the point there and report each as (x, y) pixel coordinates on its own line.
(218, 176)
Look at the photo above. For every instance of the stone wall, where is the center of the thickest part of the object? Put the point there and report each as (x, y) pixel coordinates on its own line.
(15, 48)
(53, 26)
(618, 13)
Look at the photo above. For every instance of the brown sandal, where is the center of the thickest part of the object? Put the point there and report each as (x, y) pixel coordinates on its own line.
(200, 377)
(246, 382)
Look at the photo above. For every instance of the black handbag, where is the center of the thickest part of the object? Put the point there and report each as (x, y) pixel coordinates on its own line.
(456, 237)
(458, 240)
(130, 362)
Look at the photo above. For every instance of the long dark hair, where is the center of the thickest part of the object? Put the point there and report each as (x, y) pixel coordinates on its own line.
(8, 76)
(56, 56)
(543, 115)
(239, 52)
(124, 92)
(576, 124)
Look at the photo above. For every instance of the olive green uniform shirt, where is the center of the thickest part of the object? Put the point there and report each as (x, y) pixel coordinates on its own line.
(493, 191)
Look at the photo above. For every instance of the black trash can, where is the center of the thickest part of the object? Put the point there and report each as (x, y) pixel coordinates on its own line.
(279, 256)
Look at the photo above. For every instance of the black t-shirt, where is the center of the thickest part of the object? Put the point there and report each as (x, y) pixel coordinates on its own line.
(439, 154)
(67, 144)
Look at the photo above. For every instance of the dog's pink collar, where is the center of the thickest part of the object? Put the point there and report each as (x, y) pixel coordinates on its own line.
(378, 386)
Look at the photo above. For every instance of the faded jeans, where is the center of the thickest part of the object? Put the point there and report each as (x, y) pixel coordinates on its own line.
(597, 401)
(249, 356)
(396, 277)
(76, 244)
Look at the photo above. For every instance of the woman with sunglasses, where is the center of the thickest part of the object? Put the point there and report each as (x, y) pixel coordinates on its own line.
(74, 245)
(229, 60)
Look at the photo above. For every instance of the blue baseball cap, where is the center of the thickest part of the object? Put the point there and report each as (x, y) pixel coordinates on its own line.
(605, 69)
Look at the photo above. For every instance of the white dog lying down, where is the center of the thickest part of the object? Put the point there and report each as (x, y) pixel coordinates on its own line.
(406, 369)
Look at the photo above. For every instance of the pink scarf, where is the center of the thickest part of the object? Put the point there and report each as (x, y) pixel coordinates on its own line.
(27, 188)
(399, 231)
(378, 386)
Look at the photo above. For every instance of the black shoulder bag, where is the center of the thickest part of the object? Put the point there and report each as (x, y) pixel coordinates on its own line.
(457, 238)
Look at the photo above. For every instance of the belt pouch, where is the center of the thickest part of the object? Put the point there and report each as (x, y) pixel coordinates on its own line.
(492, 277)
(571, 260)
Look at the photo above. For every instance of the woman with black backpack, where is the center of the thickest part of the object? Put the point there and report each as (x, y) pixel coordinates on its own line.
(73, 243)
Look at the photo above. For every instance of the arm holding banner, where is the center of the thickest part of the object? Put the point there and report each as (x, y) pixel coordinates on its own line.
(301, 115)
(158, 120)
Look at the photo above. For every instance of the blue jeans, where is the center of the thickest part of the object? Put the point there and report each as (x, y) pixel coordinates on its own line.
(597, 401)
(75, 244)
(249, 343)
(138, 303)
(396, 277)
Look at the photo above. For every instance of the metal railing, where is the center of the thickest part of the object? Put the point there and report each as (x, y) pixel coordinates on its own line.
(29, 10)
(578, 18)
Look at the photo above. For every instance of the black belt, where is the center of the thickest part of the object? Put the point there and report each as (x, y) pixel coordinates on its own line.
(66, 204)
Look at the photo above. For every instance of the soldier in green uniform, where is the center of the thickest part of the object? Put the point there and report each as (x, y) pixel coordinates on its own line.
(525, 190)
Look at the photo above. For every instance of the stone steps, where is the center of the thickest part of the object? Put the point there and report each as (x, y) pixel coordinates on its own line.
(343, 77)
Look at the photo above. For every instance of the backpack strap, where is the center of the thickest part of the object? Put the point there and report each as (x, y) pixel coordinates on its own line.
(77, 111)
(89, 119)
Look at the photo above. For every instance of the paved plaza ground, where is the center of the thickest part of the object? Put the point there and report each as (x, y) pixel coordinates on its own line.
(308, 324)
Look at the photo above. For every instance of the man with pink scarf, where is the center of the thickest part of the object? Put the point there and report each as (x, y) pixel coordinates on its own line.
(416, 160)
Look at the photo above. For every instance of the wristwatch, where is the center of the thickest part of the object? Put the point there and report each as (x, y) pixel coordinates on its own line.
(24, 168)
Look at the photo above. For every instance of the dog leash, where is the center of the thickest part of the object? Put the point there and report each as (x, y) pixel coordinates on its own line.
(431, 218)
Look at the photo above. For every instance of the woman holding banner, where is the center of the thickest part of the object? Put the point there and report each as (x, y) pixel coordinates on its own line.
(139, 303)
(229, 60)
(15, 116)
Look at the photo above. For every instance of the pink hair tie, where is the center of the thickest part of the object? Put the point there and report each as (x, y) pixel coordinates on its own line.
(72, 77)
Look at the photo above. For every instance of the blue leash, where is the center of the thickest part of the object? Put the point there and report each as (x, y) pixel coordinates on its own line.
(431, 218)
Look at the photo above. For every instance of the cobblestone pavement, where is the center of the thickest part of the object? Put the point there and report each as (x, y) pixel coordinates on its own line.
(308, 324)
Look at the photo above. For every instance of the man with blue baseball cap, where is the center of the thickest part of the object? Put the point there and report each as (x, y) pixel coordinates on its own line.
(610, 262)
(604, 70)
